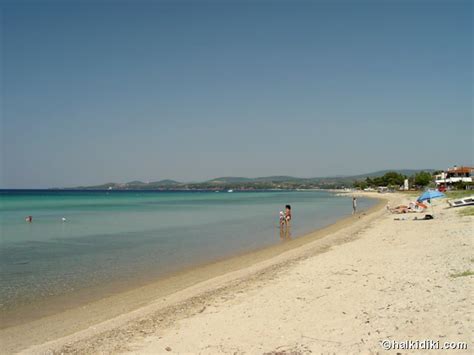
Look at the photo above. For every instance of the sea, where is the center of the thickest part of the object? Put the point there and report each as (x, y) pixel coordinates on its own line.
(84, 239)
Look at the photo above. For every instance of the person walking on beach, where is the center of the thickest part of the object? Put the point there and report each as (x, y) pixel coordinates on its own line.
(354, 205)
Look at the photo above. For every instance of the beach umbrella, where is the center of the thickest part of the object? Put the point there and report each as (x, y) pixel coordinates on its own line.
(430, 194)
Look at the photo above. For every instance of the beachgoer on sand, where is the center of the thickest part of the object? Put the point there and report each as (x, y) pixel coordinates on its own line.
(354, 205)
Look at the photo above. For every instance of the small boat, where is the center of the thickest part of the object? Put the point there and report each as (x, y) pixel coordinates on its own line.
(465, 201)
(230, 190)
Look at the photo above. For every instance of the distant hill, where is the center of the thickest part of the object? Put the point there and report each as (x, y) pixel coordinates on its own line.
(279, 178)
(133, 185)
(229, 180)
(165, 182)
(233, 180)
(265, 182)
(407, 172)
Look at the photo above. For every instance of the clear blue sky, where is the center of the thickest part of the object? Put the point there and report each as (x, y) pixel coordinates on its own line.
(97, 91)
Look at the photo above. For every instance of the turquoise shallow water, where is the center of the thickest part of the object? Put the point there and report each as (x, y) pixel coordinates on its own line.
(120, 236)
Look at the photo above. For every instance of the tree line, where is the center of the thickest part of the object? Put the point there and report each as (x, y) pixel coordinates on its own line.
(393, 179)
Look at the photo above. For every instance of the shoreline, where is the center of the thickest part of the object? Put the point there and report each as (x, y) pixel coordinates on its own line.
(76, 319)
(382, 281)
(45, 307)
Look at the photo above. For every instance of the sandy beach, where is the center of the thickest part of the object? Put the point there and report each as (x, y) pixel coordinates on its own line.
(343, 289)
(236, 177)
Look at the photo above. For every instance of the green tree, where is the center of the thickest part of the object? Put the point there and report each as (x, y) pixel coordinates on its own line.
(422, 178)
(393, 178)
(360, 184)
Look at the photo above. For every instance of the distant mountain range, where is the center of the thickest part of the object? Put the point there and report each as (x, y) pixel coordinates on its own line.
(243, 183)
(232, 180)
(406, 172)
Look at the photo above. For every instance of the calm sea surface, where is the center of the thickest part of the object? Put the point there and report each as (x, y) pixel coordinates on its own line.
(120, 236)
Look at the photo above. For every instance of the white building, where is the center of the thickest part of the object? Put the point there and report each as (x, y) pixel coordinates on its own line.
(455, 175)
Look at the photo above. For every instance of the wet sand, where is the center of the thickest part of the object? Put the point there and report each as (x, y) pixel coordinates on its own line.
(160, 295)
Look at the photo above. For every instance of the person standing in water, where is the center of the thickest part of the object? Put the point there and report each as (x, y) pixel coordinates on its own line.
(285, 223)
(288, 222)
(354, 205)
(287, 214)
(282, 218)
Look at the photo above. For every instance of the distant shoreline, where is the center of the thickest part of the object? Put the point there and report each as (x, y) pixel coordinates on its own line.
(278, 182)
(162, 190)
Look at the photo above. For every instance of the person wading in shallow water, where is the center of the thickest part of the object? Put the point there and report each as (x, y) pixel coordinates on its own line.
(285, 225)
(287, 215)
(354, 205)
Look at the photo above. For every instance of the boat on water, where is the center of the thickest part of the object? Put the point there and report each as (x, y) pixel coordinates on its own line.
(465, 201)
(230, 190)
